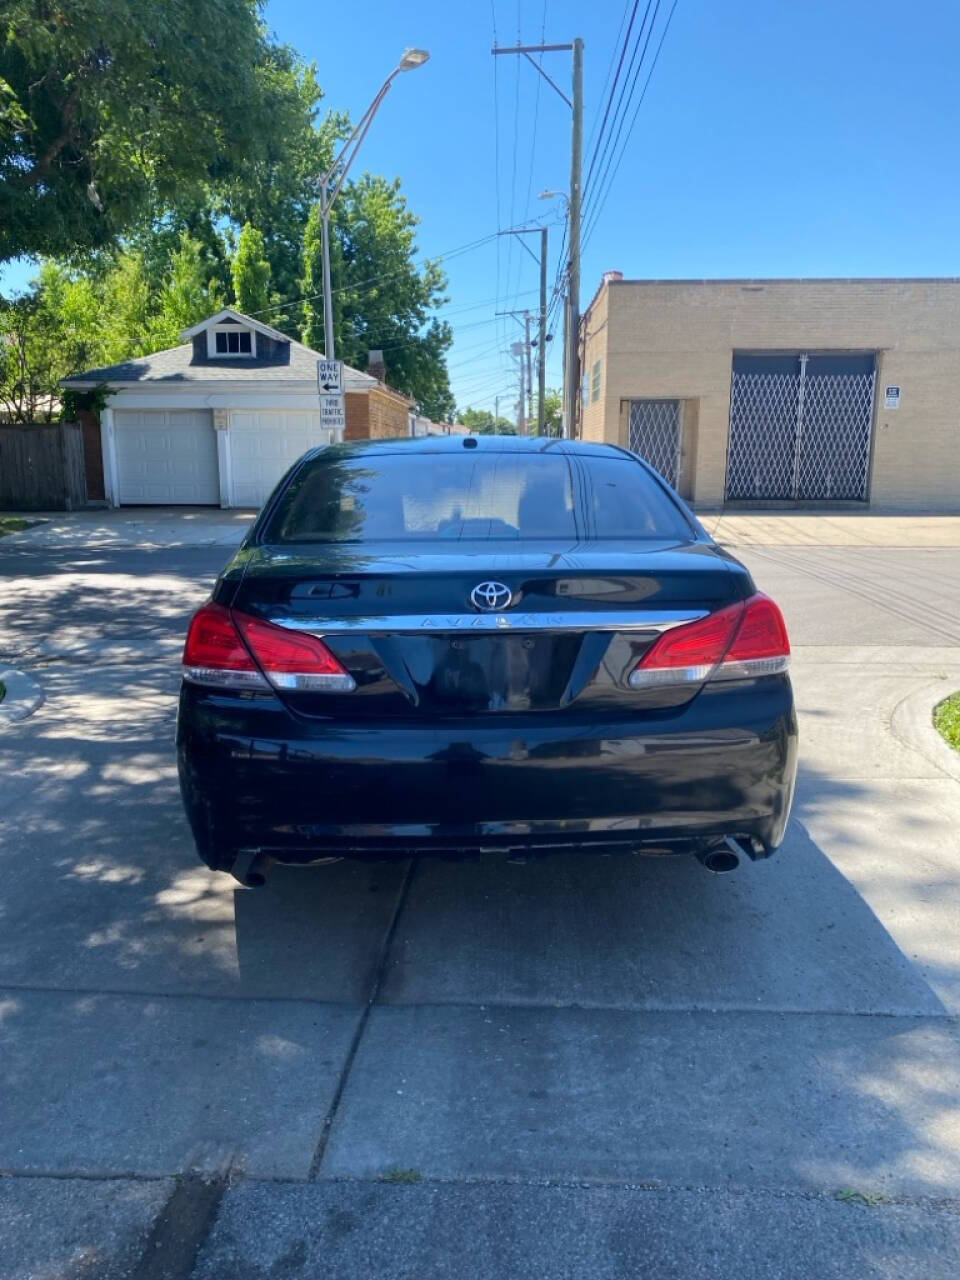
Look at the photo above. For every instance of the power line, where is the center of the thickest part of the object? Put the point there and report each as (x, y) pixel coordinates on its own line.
(613, 88)
(606, 82)
(606, 142)
(602, 197)
(375, 280)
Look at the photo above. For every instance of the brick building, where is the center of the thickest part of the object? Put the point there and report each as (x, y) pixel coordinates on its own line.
(838, 392)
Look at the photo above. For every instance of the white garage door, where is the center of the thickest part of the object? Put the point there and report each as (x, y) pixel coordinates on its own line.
(166, 456)
(266, 443)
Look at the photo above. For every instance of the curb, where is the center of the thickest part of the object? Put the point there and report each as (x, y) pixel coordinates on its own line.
(912, 723)
(23, 696)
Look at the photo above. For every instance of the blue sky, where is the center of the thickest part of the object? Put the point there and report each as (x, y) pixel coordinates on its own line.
(776, 138)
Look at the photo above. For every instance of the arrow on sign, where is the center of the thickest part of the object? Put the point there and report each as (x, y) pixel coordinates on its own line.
(330, 376)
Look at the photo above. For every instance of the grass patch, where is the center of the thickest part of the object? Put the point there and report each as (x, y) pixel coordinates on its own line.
(849, 1195)
(3, 691)
(13, 524)
(946, 719)
(395, 1174)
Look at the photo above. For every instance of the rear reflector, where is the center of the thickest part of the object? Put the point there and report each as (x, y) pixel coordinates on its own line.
(235, 651)
(742, 641)
(291, 660)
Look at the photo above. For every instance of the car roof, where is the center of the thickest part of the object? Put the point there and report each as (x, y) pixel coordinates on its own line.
(456, 444)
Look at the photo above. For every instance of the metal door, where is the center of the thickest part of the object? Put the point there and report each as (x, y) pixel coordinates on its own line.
(656, 434)
(800, 426)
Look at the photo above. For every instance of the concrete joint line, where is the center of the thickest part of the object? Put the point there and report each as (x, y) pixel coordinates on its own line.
(378, 973)
(22, 698)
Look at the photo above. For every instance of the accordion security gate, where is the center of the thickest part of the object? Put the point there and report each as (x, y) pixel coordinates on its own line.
(656, 431)
(800, 426)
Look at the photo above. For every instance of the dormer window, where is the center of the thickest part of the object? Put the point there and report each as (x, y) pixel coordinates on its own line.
(230, 340)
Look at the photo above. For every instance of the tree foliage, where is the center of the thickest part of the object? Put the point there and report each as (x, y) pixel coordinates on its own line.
(161, 158)
(71, 320)
(483, 423)
(553, 403)
(108, 109)
(381, 297)
(43, 335)
(251, 272)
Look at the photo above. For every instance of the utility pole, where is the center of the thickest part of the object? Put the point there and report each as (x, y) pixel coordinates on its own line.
(542, 339)
(542, 348)
(571, 362)
(528, 355)
(573, 282)
(496, 415)
(522, 351)
(517, 350)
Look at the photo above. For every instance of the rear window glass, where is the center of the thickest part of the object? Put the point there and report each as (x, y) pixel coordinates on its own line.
(429, 496)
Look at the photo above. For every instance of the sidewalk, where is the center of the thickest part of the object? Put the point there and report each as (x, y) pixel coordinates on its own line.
(143, 527)
(797, 529)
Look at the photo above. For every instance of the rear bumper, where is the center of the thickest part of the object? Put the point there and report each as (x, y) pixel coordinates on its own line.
(254, 776)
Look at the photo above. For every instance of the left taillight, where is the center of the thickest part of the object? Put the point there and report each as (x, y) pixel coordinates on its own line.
(215, 654)
(233, 650)
(741, 641)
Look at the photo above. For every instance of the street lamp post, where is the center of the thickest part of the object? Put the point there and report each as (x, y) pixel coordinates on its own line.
(336, 176)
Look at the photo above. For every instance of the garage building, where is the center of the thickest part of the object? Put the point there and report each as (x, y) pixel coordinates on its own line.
(218, 420)
(822, 393)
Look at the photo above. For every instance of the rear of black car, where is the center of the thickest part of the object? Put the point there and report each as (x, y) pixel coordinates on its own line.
(458, 645)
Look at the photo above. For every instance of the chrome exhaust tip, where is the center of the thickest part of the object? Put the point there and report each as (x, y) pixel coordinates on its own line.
(721, 858)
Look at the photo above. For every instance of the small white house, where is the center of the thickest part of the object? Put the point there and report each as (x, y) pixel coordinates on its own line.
(219, 419)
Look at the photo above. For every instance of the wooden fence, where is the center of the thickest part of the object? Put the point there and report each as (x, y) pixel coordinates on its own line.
(41, 467)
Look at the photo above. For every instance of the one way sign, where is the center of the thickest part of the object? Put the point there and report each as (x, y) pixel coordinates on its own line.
(330, 377)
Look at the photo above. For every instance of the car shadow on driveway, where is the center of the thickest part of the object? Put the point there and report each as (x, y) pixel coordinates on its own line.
(578, 1016)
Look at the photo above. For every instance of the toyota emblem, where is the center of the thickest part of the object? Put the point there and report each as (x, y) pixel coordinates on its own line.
(490, 596)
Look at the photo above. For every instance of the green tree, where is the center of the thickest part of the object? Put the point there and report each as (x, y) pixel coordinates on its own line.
(109, 108)
(381, 297)
(45, 334)
(251, 272)
(483, 423)
(553, 402)
(276, 187)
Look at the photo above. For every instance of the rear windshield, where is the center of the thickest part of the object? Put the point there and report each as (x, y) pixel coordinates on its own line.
(428, 496)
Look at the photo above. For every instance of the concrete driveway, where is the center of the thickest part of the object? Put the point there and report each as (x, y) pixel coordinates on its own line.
(579, 1068)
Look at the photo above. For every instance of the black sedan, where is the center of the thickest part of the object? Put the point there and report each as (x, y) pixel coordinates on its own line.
(455, 645)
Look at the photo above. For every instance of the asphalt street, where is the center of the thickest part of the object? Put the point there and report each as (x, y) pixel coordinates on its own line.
(582, 1067)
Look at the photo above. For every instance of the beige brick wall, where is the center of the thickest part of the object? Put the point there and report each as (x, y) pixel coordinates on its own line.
(594, 413)
(676, 340)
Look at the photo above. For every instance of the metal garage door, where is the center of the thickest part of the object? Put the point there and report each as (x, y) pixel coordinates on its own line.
(800, 426)
(656, 433)
(264, 444)
(167, 457)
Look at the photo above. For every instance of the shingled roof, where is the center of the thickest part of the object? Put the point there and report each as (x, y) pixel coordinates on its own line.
(285, 361)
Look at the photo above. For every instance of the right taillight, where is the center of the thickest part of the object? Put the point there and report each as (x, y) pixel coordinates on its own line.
(738, 642)
(233, 650)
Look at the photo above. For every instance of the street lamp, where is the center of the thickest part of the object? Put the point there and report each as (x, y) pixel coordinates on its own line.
(337, 174)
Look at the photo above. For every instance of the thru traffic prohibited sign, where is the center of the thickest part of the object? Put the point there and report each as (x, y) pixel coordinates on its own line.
(332, 412)
(330, 377)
